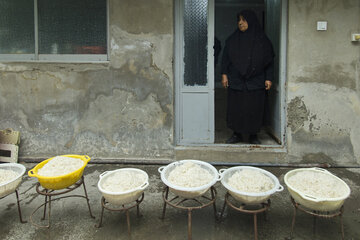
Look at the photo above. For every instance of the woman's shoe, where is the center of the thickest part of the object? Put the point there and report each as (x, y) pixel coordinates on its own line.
(253, 139)
(235, 138)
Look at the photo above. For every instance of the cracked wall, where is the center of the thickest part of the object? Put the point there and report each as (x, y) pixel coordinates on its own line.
(117, 109)
(323, 97)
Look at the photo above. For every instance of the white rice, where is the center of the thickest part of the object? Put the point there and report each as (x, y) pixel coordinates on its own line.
(316, 184)
(7, 175)
(122, 181)
(189, 175)
(251, 181)
(60, 165)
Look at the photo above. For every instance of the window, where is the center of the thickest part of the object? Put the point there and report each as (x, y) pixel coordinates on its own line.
(195, 43)
(53, 30)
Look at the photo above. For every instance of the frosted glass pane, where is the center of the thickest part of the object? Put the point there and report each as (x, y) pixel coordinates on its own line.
(195, 42)
(72, 27)
(17, 27)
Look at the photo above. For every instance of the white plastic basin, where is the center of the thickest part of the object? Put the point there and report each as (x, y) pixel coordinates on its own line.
(11, 185)
(249, 197)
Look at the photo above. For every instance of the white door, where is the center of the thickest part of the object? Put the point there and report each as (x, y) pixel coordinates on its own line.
(275, 27)
(194, 71)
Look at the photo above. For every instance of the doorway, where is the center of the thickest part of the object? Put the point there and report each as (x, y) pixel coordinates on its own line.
(225, 24)
(200, 105)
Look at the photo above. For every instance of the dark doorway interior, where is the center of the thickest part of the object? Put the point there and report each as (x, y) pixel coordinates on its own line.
(225, 24)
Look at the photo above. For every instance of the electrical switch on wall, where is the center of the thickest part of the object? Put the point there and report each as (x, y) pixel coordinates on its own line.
(355, 37)
(321, 25)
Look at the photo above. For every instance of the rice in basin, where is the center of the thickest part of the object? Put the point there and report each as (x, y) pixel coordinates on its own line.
(189, 175)
(250, 181)
(123, 181)
(60, 165)
(7, 175)
(316, 184)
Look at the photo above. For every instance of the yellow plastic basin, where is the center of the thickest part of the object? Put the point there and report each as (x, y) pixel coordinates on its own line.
(62, 181)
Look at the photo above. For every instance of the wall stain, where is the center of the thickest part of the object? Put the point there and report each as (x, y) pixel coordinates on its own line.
(311, 125)
(138, 16)
(30, 75)
(319, 148)
(328, 74)
(69, 102)
(121, 109)
(323, 6)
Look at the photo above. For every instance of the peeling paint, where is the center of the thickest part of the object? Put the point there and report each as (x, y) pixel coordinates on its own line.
(297, 114)
(323, 112)
(12, 68)
(323, 73)
(110, 110)
(113, 45)
(122, 110)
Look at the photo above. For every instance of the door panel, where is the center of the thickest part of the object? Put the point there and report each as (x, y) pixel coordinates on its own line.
(274, 24)
(196, 117)
(195, 76)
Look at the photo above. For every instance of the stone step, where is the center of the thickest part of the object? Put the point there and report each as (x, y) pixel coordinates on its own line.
(233, 154)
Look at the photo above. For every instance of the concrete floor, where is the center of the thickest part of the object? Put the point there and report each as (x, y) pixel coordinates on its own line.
(70, 217)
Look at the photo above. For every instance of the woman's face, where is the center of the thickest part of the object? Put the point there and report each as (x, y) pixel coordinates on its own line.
(242, 24)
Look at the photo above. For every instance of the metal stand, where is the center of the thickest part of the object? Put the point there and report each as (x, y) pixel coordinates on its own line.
(18, 205)
(50, 193)
(317, 214)
(198, 205)
(263, 207)
(104, 204)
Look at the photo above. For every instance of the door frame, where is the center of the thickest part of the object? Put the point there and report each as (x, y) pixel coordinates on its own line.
(179, 69)
(282, 73)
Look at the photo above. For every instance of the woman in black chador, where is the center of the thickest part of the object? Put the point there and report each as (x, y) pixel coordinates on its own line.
(247, 70)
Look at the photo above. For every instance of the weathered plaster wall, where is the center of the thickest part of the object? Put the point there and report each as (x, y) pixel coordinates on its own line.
(323, 82)
(123, 108)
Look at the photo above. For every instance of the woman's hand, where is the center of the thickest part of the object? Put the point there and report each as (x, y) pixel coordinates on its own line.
(224, 81)
(268, 84)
